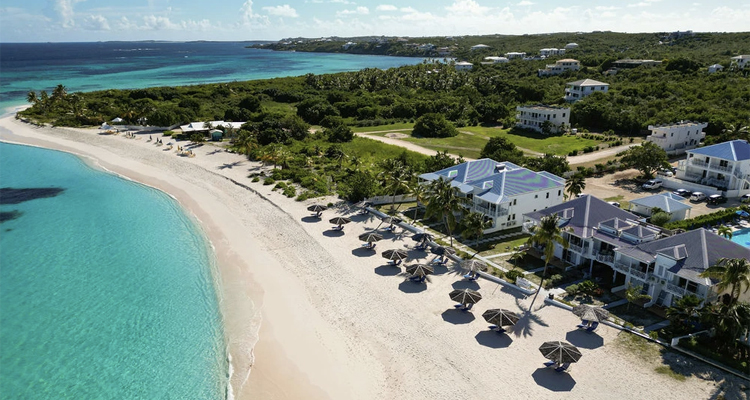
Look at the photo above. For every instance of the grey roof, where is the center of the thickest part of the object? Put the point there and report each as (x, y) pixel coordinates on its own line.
(665, 201)
(587, 82)
(587, 213)
(694, 250)
(640, 231)
(733, 150)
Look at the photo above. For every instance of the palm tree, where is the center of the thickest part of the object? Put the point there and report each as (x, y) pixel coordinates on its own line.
(575, 185)
(725, 231)
(59, 93)
(736, 131)
(443, 200)
(732, 273)
(419, 192)
(546, 234)
(31, 97)
(473, 225)
(635, 293)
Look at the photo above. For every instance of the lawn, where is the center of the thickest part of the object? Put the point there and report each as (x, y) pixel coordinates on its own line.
(638, 316)
(558, 145)
(406, 127)
(467, 145)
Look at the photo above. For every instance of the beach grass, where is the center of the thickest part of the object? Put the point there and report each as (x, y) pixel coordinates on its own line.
(668, 371)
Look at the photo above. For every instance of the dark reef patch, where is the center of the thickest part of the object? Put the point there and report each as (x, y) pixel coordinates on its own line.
(9, 215)
(16, 196)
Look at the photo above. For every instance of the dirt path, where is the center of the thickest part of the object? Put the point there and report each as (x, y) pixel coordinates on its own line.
(588, 157)
(404, 144)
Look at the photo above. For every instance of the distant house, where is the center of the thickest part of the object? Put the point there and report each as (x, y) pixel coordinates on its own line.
(348, 45)
(117, 120)
(677, 138)
(463, 66)
(496, 59)
(559, 67)
(202, 127)
(542, 117)
(547, 52)
(579, 89)
(479, 47)
(724, 166)
(671, 204)
(514, 54)
(571, 46)
(630, 63)
(715, 68)
(741, 61)
(444, 51)
(502, 191)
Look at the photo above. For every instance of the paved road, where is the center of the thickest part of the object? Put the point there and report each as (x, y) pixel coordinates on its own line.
(588, 157)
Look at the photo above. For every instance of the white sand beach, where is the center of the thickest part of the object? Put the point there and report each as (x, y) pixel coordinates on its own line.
(337, 323)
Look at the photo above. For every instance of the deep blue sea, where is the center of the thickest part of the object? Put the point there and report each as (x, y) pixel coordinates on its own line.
(129, 65)
(106, 287)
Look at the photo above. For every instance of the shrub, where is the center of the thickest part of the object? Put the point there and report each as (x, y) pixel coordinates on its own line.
(588, 287)
(553, 281)
(280, 185)
(305, 195)
(289, 191)
(512, 275)
(572, 289)
(255, 179)
(269, 181)
(168, 133)
(653, 335)
(496, 272)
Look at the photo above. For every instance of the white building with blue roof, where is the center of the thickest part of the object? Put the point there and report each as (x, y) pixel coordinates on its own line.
(671, 204)
(502, 191)
(725, 166)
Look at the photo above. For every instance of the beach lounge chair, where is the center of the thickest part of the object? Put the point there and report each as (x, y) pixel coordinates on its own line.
(394, 262)
(467, 307)
(549, 363)
(562, 367)
(338, 228)
(592, 326)
(497, 329)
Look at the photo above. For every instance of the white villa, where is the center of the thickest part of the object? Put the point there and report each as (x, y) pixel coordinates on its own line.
(725, 166)
(741, 61)
(551, 52)
(677, 138)
(667, 267)
(537, 117)
(513, 54)
(559, 67)
(201, 126)
(672, 204)
(577, 90)
(571, 46)
(502, 191)
(463, 66)
(496, 59)
(712, 69)
(479, 47)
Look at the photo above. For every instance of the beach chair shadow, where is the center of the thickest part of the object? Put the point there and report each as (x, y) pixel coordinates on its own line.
(493, 339)
(388, 270)
(364, 252)
(465, 284)
(585, 340)
(311, 219)
(333, 233)
(408, 286)
(457, 317)
(554, 381)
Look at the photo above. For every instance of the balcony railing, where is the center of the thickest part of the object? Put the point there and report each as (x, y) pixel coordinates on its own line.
(605, 258)
(638, 274)
(675, 289)
(720, 168)
(621, 267)
(577, 249)
(698, 163)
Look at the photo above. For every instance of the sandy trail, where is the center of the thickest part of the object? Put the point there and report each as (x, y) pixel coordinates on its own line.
(339, 324)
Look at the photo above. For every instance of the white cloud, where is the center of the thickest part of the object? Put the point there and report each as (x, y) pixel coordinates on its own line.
(249, 18)
(358, 11)
(386, 7)
(282, 11)
(606, 8)
(156, 22)
(64, 10)
(96, 23)
(467, 7)
(342, 1)
(645, 3)
(525, 3)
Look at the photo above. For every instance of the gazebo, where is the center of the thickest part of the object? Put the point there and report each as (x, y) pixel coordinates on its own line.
(216, 135)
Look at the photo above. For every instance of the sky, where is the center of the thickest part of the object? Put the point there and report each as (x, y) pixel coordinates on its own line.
(237, 20)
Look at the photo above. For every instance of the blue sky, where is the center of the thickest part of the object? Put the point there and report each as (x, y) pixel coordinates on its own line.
(95, 20)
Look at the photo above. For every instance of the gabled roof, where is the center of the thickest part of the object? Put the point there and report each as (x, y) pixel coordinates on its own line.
(733, 150)
(665, 201)
(640, 231)
(694, 250)
(741, 57)
(587, 82)
(587, 213)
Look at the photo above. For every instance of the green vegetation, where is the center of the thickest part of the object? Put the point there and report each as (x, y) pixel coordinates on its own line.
(718, 217)
(647, 158)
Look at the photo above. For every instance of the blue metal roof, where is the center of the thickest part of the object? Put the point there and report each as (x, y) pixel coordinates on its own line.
(733, 150)
(664, 201)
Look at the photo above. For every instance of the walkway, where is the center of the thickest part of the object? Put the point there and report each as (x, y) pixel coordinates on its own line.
(588, 157)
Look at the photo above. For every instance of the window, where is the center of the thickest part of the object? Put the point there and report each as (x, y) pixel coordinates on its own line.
(536, 196)
(514, 201)
(671, 134)
(547, 195)
(563, 115)
(559, 192)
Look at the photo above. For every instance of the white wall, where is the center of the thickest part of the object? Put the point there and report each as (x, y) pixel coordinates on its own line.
(527, 203)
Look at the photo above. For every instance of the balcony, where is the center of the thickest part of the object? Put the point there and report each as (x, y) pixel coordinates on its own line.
(577, 249)
(698, 163)
(605, 258)
(620, 267)
(674, 289)
(718, 167)
(638, 274)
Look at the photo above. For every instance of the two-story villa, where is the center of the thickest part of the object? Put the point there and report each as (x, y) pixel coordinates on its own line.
(547, 52)
(725, 166)
(741, 61)
(515, 54)
(502, 191)
(677, 138)
(559, 67)
(541, 118)
(577, 90)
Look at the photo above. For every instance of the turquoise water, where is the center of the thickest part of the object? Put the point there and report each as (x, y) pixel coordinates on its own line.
(742, 237)
(128, 65)
(107, 289)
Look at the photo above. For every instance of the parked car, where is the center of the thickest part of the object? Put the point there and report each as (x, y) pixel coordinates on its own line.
(614, 203)
(745, 198)
(682, 193)
(697, 197)
(665, 172)
(716, 199)
(653, 184)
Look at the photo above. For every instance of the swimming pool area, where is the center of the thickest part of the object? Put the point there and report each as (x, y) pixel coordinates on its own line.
(742, 237)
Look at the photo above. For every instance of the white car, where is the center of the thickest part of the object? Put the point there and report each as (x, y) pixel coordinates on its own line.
(614, 203)
(697, 197)
(745, 198)
(653, 184)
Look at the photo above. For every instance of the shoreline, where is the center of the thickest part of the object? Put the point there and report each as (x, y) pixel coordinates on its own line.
(336, 322)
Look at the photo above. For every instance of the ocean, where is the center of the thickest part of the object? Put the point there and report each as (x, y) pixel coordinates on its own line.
(108, 288)
(129, 65)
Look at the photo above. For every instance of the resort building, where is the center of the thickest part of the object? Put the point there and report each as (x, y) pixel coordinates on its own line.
(724, 166)
(628, 63)
(712, 69)
(559, 67)
(571, 46)
(677, 138)
(496, 59)
(741, 61)
(514, 54)
(672, 204)
(542, 118)
(577, 90)
(502, 191)
(479, 47)
(210, 125)
(463, 66)
(666, 267)
(551, 52)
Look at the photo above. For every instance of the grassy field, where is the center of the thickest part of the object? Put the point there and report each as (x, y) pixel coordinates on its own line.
(399, 126)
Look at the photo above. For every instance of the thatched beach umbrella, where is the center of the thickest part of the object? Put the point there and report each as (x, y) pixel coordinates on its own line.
(395, 255)
(442, 250)
(419, 269)
(392, 220)
(501, 317)
(590, 313)
(362, 204)
(560, 352)
(421, 237)
(474, 265)
(370, 238)
(465, 296)
(317, 209)
(339, 220)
